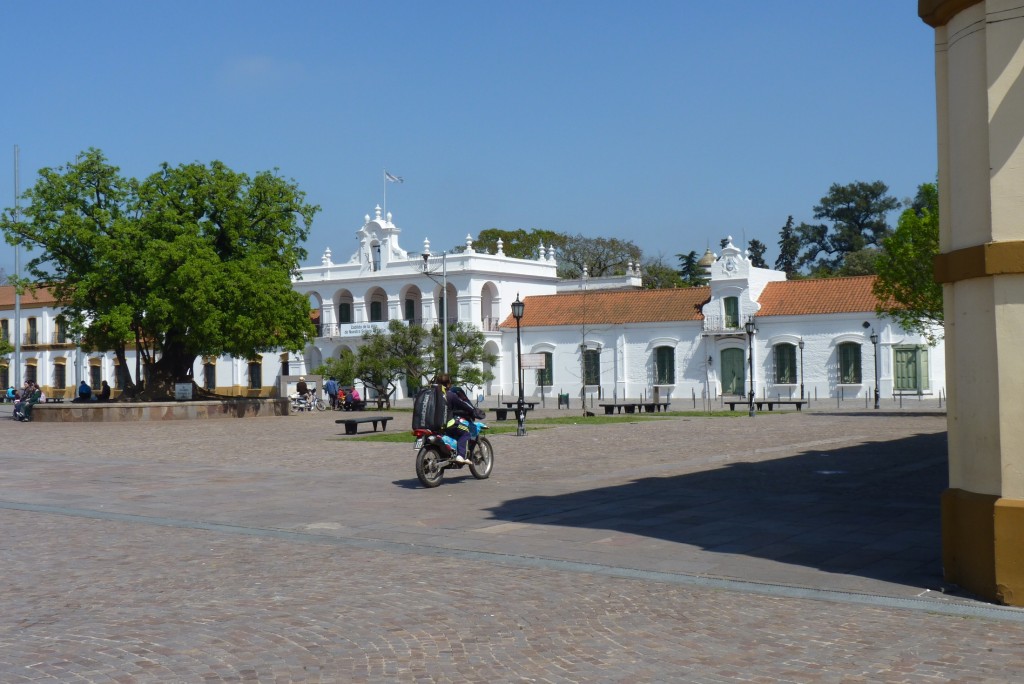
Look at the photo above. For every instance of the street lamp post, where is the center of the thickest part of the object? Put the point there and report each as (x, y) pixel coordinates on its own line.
(518, 307)
(751, 329)
(444, 298)
(874, 341)
(801, 345)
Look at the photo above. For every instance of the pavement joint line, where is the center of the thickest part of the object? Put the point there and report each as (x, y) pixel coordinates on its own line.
(777, 590)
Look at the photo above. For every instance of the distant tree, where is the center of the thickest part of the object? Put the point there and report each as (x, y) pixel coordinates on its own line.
(859, 263)
(690, 270)
(857, 214)
(789, 249)
(906, 278)
(467, 354)
(600, 256)
(757, 250)
(658, 275)
(387, 355)
(342, 368)
(519, 243)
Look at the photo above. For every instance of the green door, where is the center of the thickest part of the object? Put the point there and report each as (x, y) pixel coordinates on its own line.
(733, 379)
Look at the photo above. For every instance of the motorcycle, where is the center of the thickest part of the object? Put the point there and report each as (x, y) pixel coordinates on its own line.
(307, 403)
(435, 453)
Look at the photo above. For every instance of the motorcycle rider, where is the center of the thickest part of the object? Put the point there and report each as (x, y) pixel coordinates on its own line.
(461, 410)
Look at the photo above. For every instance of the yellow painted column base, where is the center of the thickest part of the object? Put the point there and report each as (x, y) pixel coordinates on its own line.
(983, 545)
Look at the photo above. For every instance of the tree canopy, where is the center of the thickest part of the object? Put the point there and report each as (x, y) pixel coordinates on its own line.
(856, 215)
(906, 276)
(193, 260)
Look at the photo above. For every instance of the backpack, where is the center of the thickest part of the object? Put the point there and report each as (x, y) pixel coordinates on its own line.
(430, 409)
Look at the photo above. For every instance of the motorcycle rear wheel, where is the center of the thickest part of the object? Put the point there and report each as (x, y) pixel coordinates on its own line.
(427, 469)
(319, 404)
(482, 459)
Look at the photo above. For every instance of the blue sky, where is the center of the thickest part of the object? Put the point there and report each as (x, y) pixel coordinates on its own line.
(672, 124)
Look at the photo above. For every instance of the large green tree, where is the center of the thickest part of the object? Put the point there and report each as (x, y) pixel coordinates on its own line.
(193, 260)
(906, 277)
(855, 216)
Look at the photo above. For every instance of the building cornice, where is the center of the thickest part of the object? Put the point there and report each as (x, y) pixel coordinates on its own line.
(937, 13)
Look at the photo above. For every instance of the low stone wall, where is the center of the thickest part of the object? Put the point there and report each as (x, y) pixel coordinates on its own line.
(96, 412)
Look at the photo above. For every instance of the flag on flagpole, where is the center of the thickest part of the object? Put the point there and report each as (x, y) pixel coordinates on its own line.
(393, 179)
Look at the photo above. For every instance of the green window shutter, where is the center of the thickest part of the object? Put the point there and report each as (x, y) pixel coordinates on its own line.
(664, 366)
(732, 312)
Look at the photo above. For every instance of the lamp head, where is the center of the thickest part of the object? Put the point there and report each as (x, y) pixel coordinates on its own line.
(518, 307)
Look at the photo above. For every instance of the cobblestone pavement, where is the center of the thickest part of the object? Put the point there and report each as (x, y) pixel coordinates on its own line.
(797, 547)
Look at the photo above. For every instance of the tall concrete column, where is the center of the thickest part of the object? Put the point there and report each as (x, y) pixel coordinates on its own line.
(979, 68)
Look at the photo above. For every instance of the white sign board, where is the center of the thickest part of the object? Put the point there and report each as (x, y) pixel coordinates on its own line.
(533, 361)
(183, 391)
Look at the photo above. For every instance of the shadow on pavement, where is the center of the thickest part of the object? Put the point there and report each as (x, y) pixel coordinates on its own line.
(871, 510)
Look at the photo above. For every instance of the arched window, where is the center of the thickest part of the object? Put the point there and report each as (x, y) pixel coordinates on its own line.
(785, 364)
(210, 375)
(664, 366)
(376, 311)
(849, 363)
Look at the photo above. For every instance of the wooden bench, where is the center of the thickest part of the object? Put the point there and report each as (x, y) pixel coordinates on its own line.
(351, 424)
(502, 414)
(759, 403)
(635, 407)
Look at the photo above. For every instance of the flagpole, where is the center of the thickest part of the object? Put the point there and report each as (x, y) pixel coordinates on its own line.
(17, 286)
(384, 175)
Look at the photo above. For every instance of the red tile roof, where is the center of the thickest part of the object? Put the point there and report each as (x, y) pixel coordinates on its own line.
(613, 306)
(818, 296)
(786, 298)
(37, 298)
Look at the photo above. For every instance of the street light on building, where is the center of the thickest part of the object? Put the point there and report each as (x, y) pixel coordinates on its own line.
(874, 341)
(801, 345)
(751, 329)
(518, 307)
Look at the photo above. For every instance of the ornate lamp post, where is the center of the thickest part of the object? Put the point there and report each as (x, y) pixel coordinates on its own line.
(751, 329)
(801, 345)
(874, 341)
(518, 307)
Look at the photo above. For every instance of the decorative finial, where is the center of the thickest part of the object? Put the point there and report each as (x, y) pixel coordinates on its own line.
(426, 246)
(501, 247)
(377, 211)
(469, 243)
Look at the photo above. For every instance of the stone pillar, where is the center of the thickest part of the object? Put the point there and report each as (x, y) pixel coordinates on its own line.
(979, 67)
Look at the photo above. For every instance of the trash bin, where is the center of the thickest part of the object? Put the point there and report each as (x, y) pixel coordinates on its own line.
(563, 400)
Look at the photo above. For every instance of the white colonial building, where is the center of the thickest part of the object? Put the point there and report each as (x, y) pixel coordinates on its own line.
(603, 339)
(814, 338)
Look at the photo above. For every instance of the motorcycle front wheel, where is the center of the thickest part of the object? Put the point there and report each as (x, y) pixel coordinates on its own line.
(427, 468)
(319, 404)
(482, 459)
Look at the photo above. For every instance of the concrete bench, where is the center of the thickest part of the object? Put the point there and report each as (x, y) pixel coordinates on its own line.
(760, 403)
(635, 407)
(528, 404)
(502, 414)
(351, 424)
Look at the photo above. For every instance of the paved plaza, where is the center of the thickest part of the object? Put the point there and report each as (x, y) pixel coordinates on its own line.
(796, 547)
